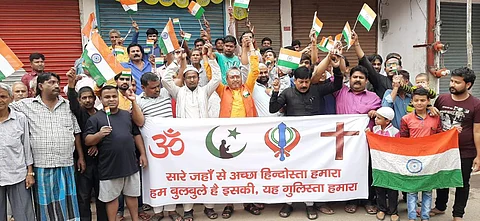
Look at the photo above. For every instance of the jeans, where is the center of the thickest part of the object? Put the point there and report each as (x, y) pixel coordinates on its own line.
(426, 205)
(461, 193)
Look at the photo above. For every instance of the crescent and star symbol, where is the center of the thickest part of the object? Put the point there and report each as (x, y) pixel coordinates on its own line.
(222, 151)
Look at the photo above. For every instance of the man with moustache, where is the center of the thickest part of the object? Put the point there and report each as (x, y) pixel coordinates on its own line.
(137, 64)
(82, 106)
(262, 92)
(37, 62)
(20, 91)
(54, 132)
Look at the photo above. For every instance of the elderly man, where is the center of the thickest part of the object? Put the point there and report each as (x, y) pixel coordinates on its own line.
(54, 132)
(17, 172)
(20, 91)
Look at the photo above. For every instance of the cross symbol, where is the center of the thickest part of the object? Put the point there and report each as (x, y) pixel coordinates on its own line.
(339, 134)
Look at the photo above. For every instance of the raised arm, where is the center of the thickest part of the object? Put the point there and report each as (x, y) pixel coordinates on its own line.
(254, 69)
(337, 83)
(212, 85)
(168, 81)
(373, 76)
(277, 101)
(71, 93)
(320, 69)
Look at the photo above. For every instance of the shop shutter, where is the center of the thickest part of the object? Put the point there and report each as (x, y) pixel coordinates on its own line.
(112, 16)
(453, 31)
(50, 27)
(333, 14)
(265, 16)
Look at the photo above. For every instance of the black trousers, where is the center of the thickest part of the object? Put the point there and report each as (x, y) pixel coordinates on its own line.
(387, 200)
(461, 193)
(85, 182)
(371, 189)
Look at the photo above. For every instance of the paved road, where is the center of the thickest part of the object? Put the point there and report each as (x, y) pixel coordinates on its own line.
(271, 211)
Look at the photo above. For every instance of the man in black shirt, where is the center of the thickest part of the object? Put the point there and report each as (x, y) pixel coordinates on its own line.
(115, 135)
(82, 106)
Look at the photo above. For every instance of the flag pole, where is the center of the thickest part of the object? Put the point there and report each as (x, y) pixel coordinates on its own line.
(230, 2)
(128, 33)
(129, 15)
(108, 120)
(201, 27)
(180, 25)
(355, 24)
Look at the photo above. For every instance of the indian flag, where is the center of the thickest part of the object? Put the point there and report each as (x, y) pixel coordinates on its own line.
(127, 72)
(90, 26)
(99, 61)
(176, 21)
(415, 164)
(159, 61)
(196, 10)
(168, 40)
(187, 36)
(107, 111)
(366, 17)
(9, 62)
(150, 43)
(241, 3)
(347, 34)
(289, 59)
(317, 25)
(129, 6)
(326, 44)
(119, 50)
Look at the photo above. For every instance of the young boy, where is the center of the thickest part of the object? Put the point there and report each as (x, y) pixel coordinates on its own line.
(419, 123)
(383, 126)
(116, 136)
(421, 80)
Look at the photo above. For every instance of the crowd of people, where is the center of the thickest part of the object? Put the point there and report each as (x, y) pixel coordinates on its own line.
(65, 150)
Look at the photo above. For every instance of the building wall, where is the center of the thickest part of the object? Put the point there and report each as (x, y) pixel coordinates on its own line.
(408, 24)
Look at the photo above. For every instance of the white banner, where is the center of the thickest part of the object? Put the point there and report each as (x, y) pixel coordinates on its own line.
(262, 160)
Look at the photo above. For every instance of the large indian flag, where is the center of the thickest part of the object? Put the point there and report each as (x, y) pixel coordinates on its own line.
(129, 6)
(416, 164)
(317, 25)
(9, 62)
(168, 40)
(241, 3)
(367, 16)
(99, 61)
(289, 59)
(196, 10)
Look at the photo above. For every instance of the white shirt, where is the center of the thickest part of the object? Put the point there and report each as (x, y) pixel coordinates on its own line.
(262, 101)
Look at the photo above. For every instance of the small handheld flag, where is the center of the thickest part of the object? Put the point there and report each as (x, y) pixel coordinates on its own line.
(347, 34)
(159, 62)
(9, 62)
(130, 6)
(241, 3)
(108, 113)
(196, 10)
(326, 44)
(187, 36)
(168, 40)
(289, 59)
(317, 25)
(149, 46)
(366, 17)
(127, 73)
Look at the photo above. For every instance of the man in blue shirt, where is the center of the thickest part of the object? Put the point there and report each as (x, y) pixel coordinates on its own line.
(137, 64)
(397, 98)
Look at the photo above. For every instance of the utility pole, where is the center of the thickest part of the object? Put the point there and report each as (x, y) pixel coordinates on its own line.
(469, 34)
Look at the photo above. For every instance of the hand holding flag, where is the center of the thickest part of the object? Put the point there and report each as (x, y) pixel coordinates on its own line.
(317, 24)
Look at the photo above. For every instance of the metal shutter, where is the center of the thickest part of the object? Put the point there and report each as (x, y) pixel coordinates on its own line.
(453, 31)
(112, 16)
(50, 27)
(333, 14)
(265, 16)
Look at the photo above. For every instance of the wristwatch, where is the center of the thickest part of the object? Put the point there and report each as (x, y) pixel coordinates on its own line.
(31, 174)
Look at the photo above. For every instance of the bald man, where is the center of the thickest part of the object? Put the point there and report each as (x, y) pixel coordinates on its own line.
(20, 91)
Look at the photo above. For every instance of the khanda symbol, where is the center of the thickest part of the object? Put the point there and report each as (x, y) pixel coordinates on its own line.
(281, 140)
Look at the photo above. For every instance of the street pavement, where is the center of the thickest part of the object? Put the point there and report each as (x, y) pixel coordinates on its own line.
(271, 211)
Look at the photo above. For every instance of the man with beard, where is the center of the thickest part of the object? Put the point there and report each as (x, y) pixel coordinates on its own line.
(380, 82)
(37, 62)
(192, 102)
(262, 92)
(304, 100)
(19, 90)
(137, 64)
(54, 131)
(82, 106)
(461, 103)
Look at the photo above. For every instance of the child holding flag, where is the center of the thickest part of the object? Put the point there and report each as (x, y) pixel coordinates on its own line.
(384, 127)
(419, 123)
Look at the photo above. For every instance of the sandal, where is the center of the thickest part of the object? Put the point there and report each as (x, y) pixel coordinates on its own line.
(435, 211)
(285, 211)
(394, 217)
(260, 206)
(351, 208)
(144, 216)
(251, 208)
(188, 215)
(227, 212)
(311, 213)
(371, 209)
(210, 213)
(325, 209)
(157, 217)
(175, 216)
(381, 215)
(119, 217)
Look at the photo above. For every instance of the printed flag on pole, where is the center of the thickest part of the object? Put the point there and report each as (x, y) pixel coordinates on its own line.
(176, 21)
(196, 10)
(187, 36)
(366, 17)
(317, 25)
(127, 72)
(9, 62)
(129, 6)
(414, 164)
(107, 111)
(168, 40)
(347, 34)
(289, 59)
(119, 50)
(159, 61)
(99, 61)
(90, 26)
(338, 37)
(326, 44)
(241, 3)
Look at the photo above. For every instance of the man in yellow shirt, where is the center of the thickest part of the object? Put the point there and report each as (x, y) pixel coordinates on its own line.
(117, 47)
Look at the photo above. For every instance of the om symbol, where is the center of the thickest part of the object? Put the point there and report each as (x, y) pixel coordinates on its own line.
(166, 148)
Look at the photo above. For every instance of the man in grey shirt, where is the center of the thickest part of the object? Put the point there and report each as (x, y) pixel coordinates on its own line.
(16, 170)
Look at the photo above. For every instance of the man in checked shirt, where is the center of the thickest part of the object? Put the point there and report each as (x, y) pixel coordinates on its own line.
(54, 133)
